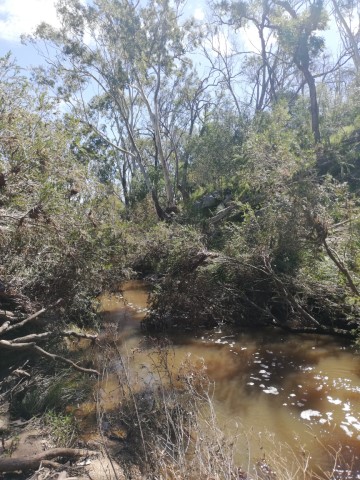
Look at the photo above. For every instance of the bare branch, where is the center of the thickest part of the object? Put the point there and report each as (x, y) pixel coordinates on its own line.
(33, 316)
(10, 345)
(55, 357)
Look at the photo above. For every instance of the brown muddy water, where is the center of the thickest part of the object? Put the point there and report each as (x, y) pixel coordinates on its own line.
(302, 391)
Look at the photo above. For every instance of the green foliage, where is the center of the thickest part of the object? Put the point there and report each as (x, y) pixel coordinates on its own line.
(212, 151)
(275, 246)
(58, 226)
(298, 32)
(62, 428)
(165, 248)
(51, 393)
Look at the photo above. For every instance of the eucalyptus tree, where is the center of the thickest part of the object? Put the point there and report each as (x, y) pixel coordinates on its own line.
(347, 15)
(111, 61)
(261, 62)
(297, 23)
(288, 36)
(184, 107)
(224, 59)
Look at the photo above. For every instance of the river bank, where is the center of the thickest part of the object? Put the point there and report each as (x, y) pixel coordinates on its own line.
(271, 391)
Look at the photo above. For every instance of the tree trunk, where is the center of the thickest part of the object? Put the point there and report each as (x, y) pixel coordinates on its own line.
(314, 105)
(159, 210)
(315, 123)
(33, 463)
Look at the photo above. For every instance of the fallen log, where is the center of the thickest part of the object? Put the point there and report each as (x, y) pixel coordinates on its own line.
(79, 335)
(36, 337)
(34, 462)
(222, 214)
(4, 327)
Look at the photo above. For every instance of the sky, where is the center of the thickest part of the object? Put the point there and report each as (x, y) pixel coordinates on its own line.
(19, 17)
(22, 16)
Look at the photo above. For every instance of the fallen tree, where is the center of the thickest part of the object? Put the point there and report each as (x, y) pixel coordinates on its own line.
(30, 342)
(8, 465)
(209, 287)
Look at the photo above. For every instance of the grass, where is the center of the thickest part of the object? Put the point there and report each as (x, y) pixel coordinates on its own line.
(62, 428)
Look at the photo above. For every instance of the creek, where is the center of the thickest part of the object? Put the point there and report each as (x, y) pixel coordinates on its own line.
(300, 391)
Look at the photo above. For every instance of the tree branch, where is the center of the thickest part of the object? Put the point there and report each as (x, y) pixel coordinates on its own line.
(31, 346)
(33, 316)
(336, 259)
(55, 357)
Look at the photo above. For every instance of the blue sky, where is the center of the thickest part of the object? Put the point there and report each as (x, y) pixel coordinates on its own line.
(22, 16)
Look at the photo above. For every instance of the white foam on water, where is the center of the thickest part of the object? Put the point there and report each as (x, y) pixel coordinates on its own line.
(308, 414)
(346, 429)
(354, 422)
(271, 390)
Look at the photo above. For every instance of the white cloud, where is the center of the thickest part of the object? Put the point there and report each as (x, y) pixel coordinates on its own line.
(251, 41)
(199, 14)
(23, 16)
(250, 38)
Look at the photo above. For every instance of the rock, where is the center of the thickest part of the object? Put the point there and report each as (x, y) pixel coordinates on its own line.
(4, 424)
(228, 198)
(101, 468)
(213, 199)
(209, 201)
